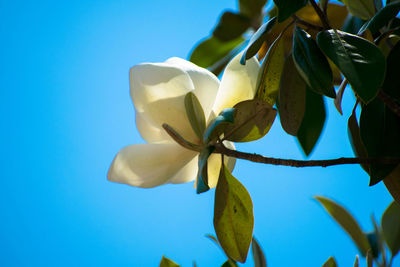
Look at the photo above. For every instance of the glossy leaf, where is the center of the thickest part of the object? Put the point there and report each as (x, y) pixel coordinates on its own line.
(257, 40)
(270, 75)
(312, 64)
(202, 173)
(252, 121)
(286, 8)
(233, 216)
(292, 98)
(391, 84)
(216, 126)
(382, 18)
(231, 26)
(313, 121)
(211, 50)
(195, 113)
(364, 9)
(360, 61)
(380, 131)
(165, 262)
(355, 140)
(357, 262)
(258, 254)
(330, 262)
(251, 8)
(391, 227)
(347, 222)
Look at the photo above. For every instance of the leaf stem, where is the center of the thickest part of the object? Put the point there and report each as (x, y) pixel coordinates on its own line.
(320, 14)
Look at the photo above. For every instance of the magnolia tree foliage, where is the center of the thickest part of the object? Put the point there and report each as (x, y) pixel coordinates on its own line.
(289, 59)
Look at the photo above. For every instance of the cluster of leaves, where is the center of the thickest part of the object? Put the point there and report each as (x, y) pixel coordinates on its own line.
(306, 50)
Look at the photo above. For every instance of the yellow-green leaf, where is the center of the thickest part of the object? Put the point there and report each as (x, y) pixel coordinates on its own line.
(392, 183)
(391, 227)
(347, 222)
(233, 216)
(330, 262)
(165, 262)
(364, 9)
(270, 75)
(258, 254)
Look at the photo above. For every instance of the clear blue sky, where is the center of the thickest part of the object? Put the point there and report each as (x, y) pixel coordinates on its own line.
(66, 111)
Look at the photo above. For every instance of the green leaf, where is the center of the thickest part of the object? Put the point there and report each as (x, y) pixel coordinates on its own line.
(364, 9)
(165, 262)
(360, 61)
(292, 98)
(312, 64)
(229, 263)
(257, 40)
(391, 84)
(286, 8)
(313, 121)
(370, 259)
(391, 227)
(252, 120)
(352, 24)
(271, 71)
(382, 18)
(373, 239)
(258, 254)
(195, 113)
(347, 222)
(231, 26)
(202, 173)
(251, 8)
(233, 216)
(211, 50)
(217, 126)
(357, 262)
(355, 139)
(392, 183)
(380, 131)
(330, 262)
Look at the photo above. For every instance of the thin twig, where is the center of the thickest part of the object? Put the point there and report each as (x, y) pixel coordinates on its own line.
(320, 14)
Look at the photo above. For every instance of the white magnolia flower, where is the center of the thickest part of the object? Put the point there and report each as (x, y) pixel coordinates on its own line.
(158, 91)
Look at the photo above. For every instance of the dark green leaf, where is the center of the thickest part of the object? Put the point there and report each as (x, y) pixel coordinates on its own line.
(370, 259)
(233, 216)
(231, 26)
(312, 64)
(229, 263)
(373, 239)
(391, 84)
(347, 222)
(352, 24)
(339, 96)
(271, 71)
(330, 263)
(251, 8)
(258, 254)
(382, 18)
(286, 8)
(360, 61)
(364, 9)
(357, 262)
(380, 131)
(292, 98)
(211, 50)
(202, 173)
(216, 126)
(313, 121)
(165, 262)
(355, 140)
(252, 120)
(391, 227)
(379, 239)
(257, 40)
(195, 113)
(392, 183)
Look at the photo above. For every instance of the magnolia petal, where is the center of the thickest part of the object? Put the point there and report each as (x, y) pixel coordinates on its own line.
(187, 173)
(148, 165)
(158, 91)
(214, 165)
(238, 83)
(205, 82)
(149, 132)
